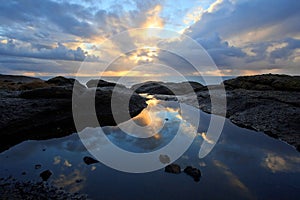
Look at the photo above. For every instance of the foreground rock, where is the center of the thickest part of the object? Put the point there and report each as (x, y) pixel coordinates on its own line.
(46, 111)
(193, 172)
(173, 168)
(89, 160)
(45, 175)
(256, 103)
(167, 88)
(34, 190)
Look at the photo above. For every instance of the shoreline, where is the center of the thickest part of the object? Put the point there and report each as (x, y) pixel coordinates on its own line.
(253, 102)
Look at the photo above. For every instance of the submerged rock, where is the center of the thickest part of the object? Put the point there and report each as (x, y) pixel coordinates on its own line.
(89, 160)
(193, 172)
(173, 168)
(45, 175)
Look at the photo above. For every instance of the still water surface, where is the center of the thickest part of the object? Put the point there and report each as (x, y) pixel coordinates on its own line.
(244, 163)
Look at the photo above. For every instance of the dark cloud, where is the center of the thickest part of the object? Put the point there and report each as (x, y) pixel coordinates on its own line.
(236, 17)
(60, 52)
(219, 50)
(286, 51)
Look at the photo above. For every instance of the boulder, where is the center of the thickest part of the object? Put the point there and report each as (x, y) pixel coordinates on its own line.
(193, 172)
(173, 168)
(89, 160)
(45, 175)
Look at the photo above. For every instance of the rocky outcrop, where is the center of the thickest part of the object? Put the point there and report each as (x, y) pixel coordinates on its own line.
(152, 87)
(265, 82)
(173, 168)
(272, 111)
(46, 112)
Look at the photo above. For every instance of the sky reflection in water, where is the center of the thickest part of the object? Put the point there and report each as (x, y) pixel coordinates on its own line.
(243, 164)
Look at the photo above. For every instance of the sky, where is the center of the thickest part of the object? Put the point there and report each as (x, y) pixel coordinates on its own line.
(59, 37)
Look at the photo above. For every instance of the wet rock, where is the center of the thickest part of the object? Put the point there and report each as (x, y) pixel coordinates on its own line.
(23, 173)
(272, 111)
(173, 168)
(34, 190)
(45, 113)
(45, 175)
(79, 180)
(89, 160)
(193, 172)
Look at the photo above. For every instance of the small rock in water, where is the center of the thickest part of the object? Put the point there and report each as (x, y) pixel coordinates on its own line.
(164, 159)
(38, 166)
(89, 160)
(167, 119)
(23, 173)
(45, 175)
(173, 168)
(193, 172)
(79, 180)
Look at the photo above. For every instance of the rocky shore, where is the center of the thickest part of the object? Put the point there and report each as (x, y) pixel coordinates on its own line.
(31, 108)
(267, 103)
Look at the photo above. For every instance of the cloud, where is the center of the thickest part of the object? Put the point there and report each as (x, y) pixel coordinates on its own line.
(229, 18)
(244, 35)
(60, 52)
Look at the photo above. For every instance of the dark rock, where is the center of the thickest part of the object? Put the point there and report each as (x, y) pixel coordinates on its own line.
(273, 112)
(152, 87)
(55, 92)
(265, 82)
(21, 83)
(45, 175)
(173, 168)
(17, 78)
(23, 173)
(61, 81)
(27, 114)
(79, 180)
(89, 160)
(193, 172)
